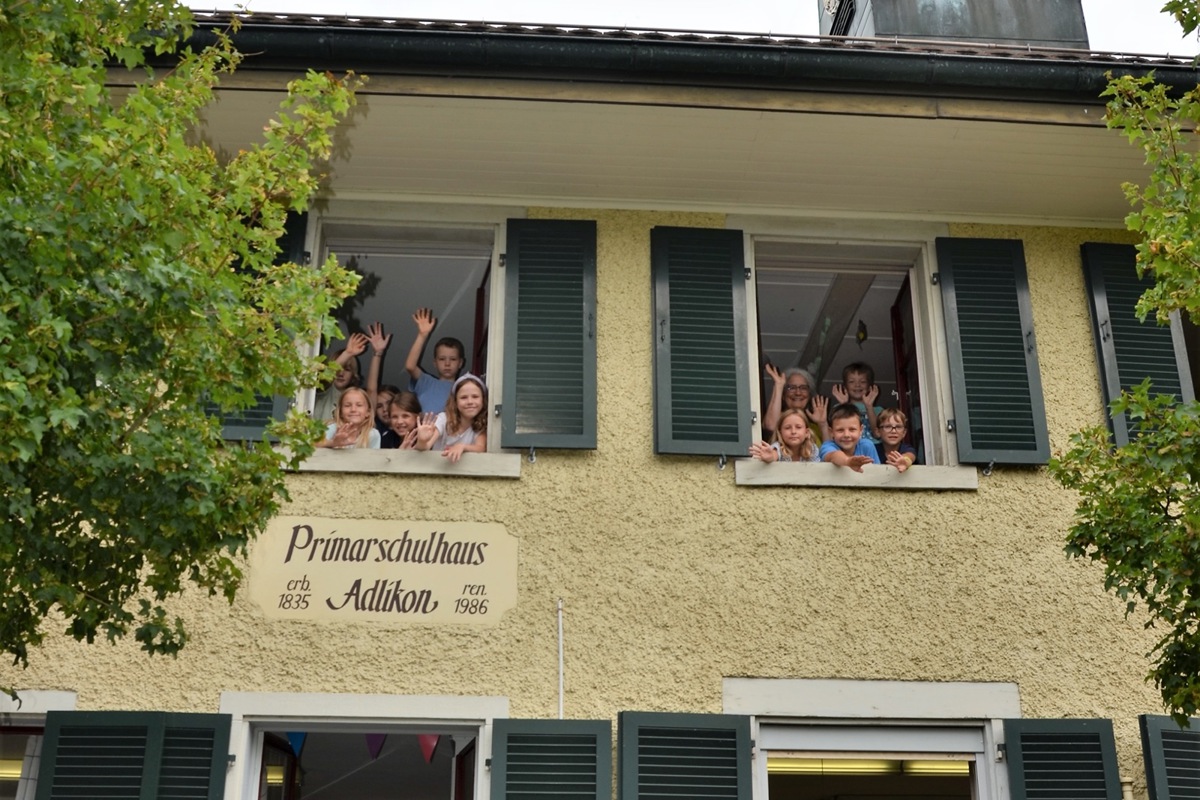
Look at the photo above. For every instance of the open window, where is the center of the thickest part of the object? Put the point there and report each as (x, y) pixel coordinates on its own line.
(945, 323)
(823, 308)
(519, 295)
(404, 268)
(299, 764)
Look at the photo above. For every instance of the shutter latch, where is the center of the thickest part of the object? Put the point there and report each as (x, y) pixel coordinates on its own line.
(935, 278)
(503, 260)
(1001, 752)
(499, 408)
(747, 273)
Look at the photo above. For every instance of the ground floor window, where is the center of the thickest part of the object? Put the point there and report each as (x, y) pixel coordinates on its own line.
(298, 765)
(20, 752)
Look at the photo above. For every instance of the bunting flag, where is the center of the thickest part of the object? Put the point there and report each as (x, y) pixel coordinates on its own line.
(296, 740)
(375, 744)
(429, 743)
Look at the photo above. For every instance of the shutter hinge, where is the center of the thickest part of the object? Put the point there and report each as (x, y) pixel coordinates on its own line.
(232, 759)
(747, 273)
(499, 408)
(935, 278)
(1001, 752)
(307, 258)
(487, 763)
(753, 417)
(950, 426)
(503, 260)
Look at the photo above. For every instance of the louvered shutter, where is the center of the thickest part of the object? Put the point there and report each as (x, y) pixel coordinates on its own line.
(133, 755)
(701, 356)
(1129, 350)
(1061, 759)
(550, 335)
(672, 756)
(250, 423)
(563, 759)
(999, 413)
(1172, 756)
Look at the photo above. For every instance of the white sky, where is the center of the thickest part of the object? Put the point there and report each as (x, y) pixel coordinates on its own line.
(1127, 26)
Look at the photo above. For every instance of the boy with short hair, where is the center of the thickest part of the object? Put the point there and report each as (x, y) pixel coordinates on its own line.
(448, 358)
(858, 388)
(893, 450)
(847, 446)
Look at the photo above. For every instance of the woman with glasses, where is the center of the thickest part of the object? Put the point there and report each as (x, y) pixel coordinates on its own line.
(794, 389)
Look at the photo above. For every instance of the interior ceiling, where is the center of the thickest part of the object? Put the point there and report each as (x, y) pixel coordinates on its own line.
(471, 149)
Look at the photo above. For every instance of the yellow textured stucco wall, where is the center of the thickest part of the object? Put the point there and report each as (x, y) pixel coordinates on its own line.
(673, 577)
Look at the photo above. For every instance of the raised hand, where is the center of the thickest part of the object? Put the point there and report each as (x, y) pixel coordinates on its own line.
(425, 320)
(871, 395)
(898, 460)
(426, 430)
(346, 435)
(774, 372)
(840, 394)
(454, 452)
(375, 336)
(356, 344)
(763, 452)
(820, 409)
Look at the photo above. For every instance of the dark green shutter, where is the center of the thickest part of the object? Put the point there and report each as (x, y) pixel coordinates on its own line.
(544, 758)
(672, 756)
(250, 423)
(701, 355)
(550, 335)
(133, 755)
(1061, 759)
(1172, 756)
(999, 413)
(1129, 350)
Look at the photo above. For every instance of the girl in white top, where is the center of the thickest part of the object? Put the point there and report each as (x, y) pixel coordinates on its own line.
(353, 422)
(462, 427)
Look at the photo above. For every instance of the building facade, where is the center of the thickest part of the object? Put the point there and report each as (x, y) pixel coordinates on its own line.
(625, 228)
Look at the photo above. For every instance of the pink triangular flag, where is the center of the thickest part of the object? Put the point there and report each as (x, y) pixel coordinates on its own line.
(428, 742)
(375, 744)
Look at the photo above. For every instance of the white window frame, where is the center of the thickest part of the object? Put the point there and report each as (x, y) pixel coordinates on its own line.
(868, 716)
(255, 712)
(28, 710)
(933, 366)
(494, 463)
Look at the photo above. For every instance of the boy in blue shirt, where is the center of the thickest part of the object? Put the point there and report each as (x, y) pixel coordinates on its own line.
(448, 360)
(847, 446)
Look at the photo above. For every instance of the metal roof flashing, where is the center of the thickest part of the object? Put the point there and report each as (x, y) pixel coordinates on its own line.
(690, 58)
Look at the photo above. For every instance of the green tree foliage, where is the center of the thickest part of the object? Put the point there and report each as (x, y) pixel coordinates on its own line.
(137, 289)
(1139, 507)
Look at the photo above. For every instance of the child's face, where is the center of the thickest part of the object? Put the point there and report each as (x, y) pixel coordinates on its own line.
(345, 379)
(856, 385)
(447, 363)
(469, 400)
(354, 408)
(402, 421)
(793, 431)
(892, 432)
(797, 393)
(846, 432)
(382, 401)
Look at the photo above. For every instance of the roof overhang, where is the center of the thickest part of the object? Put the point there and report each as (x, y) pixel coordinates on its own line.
(556, 118)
